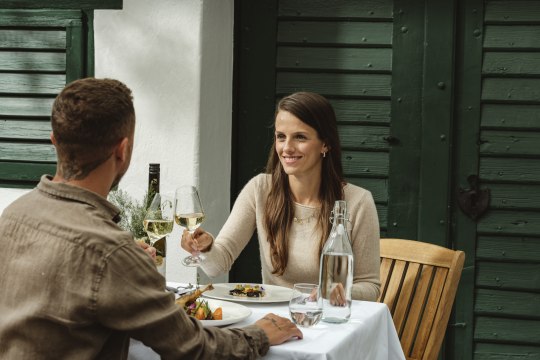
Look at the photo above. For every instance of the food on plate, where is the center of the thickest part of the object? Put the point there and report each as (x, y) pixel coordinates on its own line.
(245, 290)
(198, 308)
(191, 297)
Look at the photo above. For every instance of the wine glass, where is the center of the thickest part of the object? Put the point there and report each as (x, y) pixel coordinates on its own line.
(189, 214)
(158, 220)
(305, 306)
(158, 223)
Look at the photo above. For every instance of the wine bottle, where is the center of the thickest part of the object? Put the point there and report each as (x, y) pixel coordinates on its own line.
(153, 182)
(336, 269)
(161, 244)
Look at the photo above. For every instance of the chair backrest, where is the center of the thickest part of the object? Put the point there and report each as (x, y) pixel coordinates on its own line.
(418, 283)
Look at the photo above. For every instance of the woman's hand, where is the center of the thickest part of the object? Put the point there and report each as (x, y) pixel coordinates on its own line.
(337, 296)
(200, 241)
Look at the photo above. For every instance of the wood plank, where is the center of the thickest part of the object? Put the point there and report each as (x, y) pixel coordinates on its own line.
(334, 84)
(25, 106)
(62, 4)
(506, 248)
(363, 137)
(41, 17)
(386, 266)
(381, 9)
(508, 276)
(46, 84)
(431, 309)
(490, 351)
(416, 311)
(406, 297)
(14, 171)
(510, 169)
(515, 89)
(514, 63)
(394, 285)
(504, 142)
(27, 152)
(377, 187)
(25, 129)
(510, 222)
(334, 32)
(503, 330)
(512, 11)
(32, 61)
(365, 164)
(350, 59)
(33, 39)
(354, 110)
(515, 196)
(507, 303)
(512, 37)
(506, 116)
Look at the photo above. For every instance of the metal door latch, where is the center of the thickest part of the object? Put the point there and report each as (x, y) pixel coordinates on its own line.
(474, 202)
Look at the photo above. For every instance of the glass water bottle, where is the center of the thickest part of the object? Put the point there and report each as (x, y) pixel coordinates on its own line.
(336, 269)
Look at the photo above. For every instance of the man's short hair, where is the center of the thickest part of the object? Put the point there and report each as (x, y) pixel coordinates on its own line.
(89, 117)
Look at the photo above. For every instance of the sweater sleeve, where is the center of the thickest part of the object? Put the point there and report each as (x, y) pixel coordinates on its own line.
(365, 238)
(236, 233)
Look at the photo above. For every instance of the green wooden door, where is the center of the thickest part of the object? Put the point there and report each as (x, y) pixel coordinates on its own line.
(40, 51)
(426, 93)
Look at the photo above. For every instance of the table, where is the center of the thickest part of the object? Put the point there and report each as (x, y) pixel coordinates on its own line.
(370, 334)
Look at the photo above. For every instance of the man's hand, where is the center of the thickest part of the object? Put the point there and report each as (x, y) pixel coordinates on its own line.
(150, 250)
(278, 329)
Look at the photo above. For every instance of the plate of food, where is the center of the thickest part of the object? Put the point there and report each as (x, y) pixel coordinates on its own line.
(212, 312)
(252, 293)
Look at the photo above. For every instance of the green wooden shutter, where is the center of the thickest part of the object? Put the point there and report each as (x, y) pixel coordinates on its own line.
(508, 242)
(40, 51)
(343, 50)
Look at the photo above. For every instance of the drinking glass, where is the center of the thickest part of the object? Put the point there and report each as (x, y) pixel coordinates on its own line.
(189, 214)
(158, 220)
(158, 223)
(305, 305)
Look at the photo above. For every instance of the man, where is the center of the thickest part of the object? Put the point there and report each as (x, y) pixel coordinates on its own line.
(73, 284)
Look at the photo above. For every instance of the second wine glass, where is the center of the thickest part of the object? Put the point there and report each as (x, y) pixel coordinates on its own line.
(189, 214)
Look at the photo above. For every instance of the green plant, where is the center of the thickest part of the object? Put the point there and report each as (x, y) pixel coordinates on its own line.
(131, 212)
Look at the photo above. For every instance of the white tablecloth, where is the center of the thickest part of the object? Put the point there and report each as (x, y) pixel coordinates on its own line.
(370, 335)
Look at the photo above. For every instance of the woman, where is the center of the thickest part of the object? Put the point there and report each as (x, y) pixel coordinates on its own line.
(291, 204)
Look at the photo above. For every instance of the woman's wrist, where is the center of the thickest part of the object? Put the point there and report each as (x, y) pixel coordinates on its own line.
(209, 247)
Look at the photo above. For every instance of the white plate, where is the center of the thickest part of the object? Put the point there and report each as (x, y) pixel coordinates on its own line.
(232, 313)
(273, 294)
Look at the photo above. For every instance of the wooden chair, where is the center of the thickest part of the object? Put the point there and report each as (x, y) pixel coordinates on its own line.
(418, 283)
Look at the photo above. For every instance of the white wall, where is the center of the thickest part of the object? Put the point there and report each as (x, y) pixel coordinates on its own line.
(176, 56)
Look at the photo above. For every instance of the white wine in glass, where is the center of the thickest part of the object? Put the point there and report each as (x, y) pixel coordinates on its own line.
(158, 221)
(189, 214)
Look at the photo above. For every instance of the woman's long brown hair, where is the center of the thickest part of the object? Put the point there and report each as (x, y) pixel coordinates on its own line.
(315, 111)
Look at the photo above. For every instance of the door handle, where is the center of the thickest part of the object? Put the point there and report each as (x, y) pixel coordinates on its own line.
(474, 202)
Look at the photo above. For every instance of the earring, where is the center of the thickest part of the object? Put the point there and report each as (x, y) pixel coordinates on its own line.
(324, 154)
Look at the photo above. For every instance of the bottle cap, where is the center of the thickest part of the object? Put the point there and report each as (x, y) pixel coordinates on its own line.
(154, 167)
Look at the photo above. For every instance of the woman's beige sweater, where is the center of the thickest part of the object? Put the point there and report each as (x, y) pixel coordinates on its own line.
(303, 265)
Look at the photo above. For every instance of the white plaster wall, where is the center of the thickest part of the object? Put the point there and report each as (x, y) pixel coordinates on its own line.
(176, 56)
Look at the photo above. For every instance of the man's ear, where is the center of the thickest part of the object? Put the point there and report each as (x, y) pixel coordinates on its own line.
(122, 150)
(53, 139)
